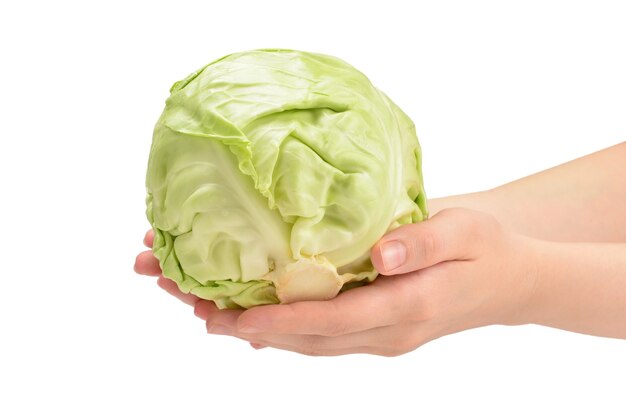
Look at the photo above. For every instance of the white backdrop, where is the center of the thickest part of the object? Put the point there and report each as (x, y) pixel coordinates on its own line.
(498, 90)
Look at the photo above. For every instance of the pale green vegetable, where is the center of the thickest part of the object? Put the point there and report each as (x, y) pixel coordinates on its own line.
(271, 175)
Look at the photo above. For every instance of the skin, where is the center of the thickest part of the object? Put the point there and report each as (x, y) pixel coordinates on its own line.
(548, 249)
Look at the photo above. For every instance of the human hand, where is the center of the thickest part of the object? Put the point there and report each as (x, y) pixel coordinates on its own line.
(458, 270)
(147, 265)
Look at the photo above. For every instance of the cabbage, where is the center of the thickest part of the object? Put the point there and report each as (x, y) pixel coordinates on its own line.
(271, 175)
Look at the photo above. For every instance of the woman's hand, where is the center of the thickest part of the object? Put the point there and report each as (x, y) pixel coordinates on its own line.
(456, 271)
(147, 265)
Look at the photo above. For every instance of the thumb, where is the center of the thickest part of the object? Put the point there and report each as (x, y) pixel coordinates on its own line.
(451, 234)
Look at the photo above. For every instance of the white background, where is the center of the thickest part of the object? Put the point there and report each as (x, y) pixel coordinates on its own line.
(498, 90)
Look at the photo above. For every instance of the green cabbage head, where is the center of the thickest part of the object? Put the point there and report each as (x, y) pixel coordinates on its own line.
(271, 175)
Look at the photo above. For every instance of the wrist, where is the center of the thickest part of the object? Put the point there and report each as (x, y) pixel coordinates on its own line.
(557, 297)
(526, 264)
(534, 274)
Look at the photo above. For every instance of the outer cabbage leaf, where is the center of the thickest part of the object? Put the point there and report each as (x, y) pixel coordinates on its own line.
(271, 175)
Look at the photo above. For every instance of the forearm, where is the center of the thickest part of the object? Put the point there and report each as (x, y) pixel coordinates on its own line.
(582, 200)
(580, 287)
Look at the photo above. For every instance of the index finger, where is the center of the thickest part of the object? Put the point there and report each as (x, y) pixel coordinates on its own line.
(378, 304)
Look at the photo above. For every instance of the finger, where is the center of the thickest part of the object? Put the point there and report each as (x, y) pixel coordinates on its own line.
(148, 239)
(203, 309)
(387, 341)
(257, 346)
(172, 288)
(147, 264)
(327, 352)
(381, 303)
(223, 321)
(452, 234)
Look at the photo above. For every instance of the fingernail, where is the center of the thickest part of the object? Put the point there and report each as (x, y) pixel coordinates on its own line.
(394, 254)
(219, 329)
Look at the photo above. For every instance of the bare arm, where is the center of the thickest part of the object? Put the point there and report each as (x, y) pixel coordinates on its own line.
(582, 200)
(577, 213)
(580, 287)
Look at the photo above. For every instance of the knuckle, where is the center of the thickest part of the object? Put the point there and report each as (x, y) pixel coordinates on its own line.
(392, 352)
(401, 340)
(389, 353)
(390, 349)
(427, 246)
(430, 243)
(402, 344)
(406, 344)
